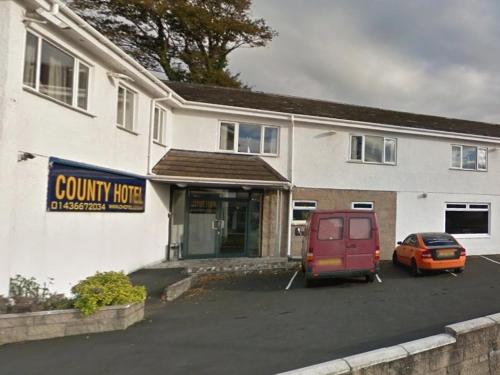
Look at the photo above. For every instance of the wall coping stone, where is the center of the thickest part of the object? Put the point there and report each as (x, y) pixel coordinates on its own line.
(428, 343)
(494, 317)
(469, 326)
(59, 312)
(375, 357)
(335, 367)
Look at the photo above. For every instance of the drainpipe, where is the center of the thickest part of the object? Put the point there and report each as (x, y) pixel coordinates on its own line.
(278, 223)
(290, 195)
(151, 122)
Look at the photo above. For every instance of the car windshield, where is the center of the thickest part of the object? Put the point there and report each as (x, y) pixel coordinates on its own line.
(438, 239)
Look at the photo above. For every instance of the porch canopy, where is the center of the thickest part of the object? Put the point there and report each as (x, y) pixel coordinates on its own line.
(217, 168)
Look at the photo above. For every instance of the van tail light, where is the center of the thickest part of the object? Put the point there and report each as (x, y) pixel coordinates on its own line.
(310, 255)
(377, 255)
(426, 254)
(462, 252)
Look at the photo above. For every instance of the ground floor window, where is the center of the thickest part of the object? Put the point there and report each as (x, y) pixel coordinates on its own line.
(467, 218)
(301, 210)
(362, 205)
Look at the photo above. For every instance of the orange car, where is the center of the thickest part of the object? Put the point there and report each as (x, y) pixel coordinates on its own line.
(430, 251)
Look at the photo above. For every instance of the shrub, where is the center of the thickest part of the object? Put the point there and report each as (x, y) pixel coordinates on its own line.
(106, 289)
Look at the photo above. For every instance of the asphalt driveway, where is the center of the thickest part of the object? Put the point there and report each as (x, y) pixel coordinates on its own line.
(251, 325)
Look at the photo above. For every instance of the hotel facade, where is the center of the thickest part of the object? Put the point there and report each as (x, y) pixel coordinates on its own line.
(103, 166)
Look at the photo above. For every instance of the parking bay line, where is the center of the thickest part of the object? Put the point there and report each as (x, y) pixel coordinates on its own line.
(291, 280)
(451, 273)
(491, 260)
(378, 278)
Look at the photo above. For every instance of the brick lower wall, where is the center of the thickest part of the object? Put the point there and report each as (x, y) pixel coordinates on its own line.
(271, 245)
(467, 348)
(58, 323)
(337, 199)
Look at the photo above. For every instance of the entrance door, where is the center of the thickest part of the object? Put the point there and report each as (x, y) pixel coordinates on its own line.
(233, 228)
(202, 228)
(222, 224)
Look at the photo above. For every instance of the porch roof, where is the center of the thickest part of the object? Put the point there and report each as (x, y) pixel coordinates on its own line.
(216, 167)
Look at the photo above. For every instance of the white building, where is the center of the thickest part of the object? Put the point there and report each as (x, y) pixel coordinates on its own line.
(105, 167)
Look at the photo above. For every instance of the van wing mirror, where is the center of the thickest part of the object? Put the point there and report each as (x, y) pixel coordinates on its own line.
(298, 231)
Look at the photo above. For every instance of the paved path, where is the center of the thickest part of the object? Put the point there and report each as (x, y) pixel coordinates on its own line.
(252, 325)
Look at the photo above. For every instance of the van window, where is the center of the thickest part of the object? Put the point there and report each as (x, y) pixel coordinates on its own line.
(360, 228)
(331, 228)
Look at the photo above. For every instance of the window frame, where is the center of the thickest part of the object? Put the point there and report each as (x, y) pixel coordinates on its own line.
(468, 208)
(353, 204)
(134, 108)
(363, 143)
(302, 208)
(77, 61)
(461, 168)
(162, 128)
(237, 124)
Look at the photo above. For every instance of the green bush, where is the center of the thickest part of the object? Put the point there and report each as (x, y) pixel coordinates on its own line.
(106, 289)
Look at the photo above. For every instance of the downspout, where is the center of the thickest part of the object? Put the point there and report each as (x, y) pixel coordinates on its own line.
(290, 195)
(277, 249)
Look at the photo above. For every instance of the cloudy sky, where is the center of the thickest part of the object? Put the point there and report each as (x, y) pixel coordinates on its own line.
(427, 56)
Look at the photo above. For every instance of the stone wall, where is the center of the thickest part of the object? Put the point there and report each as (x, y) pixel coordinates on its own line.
(57, 323)
(336, 199)
(467, 348)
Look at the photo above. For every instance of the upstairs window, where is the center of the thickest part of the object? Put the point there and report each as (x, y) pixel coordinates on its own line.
(373, 149)
(125, 108)
(248, 138)
(53, 72)
(159, 125)
(469, 158)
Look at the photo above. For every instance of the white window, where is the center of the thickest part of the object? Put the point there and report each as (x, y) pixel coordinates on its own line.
(248, 138)
(126, 108)
(467, 218)
(373, 149)
(469, 158)
(53, 72)
(362, 205)
(159, 125)
(301, 210)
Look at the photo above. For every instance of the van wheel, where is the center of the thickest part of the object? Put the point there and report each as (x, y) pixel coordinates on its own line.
(395, 260)
(370, 278)
(415, 271)
(459, 270)
(309, 283)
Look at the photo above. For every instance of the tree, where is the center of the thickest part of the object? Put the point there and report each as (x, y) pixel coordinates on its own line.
(190, 40)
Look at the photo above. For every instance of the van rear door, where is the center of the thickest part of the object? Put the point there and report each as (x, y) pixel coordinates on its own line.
(328, 243)
(361, 241)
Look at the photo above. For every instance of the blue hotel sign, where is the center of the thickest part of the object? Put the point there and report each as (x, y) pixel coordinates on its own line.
(79, 187)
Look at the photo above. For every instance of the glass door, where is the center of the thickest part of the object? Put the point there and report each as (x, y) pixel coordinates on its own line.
(202, 227)
(232, 228)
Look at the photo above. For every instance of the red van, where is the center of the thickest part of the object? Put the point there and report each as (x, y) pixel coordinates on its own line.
(340, 244)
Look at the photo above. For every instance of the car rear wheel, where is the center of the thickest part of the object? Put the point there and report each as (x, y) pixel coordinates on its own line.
(370, 278)
(415, 271)
(395, 260)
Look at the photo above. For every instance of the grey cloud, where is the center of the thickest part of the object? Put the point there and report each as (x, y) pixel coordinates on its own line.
(427, 56)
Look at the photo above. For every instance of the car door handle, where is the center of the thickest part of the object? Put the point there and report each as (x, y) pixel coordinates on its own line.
(351, 246)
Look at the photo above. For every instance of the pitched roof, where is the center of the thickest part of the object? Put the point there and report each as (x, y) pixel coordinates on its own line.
(216, 165)
(311, 107)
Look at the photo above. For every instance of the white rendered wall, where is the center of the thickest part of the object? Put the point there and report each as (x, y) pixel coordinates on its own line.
(418, 214)
(200, 132)
(63, 245)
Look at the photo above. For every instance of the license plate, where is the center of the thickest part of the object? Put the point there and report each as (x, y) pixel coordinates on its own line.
(446, 253)
(330, 262)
